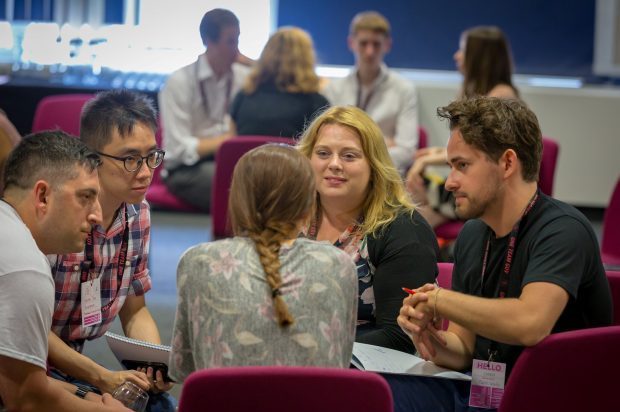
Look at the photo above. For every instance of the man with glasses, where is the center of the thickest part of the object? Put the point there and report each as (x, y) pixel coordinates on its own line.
(110, 276)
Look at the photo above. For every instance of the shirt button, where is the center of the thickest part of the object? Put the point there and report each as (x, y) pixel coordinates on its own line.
(76, 267)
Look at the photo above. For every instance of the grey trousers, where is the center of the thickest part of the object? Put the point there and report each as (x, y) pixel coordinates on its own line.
(193, 183)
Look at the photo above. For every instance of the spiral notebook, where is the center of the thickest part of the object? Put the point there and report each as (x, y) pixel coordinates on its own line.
(136, 350)
(383, 360)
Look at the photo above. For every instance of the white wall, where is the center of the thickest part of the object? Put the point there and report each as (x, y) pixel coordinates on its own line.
(585, 121)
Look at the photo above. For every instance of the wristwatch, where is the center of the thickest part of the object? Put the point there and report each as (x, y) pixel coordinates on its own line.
(81, 392)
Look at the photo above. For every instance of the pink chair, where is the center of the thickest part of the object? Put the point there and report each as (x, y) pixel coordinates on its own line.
(613, 277)
(610, 243)
(546, 175)
(569, 371)
(158, 194)
(226, 159)
(450, 229)
(60, 112)
(422, 137)
(285, 389)
(444, 279)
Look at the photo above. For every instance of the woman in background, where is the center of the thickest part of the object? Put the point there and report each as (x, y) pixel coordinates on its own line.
(265, 297)
(485, 61)
(363, 209)
(281, 93)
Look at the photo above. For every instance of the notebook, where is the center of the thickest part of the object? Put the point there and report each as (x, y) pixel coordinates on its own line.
(134, 353)
(383, 360)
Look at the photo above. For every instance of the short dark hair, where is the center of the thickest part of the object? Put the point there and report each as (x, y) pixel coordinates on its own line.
(494, 125)
(49, 155)
(112, 110)
(214, 21)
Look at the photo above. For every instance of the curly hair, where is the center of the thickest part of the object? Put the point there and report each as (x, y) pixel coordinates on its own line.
(493, 125)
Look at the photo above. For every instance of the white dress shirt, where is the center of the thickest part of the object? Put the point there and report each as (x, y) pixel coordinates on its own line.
(188, 114)
(391, 101)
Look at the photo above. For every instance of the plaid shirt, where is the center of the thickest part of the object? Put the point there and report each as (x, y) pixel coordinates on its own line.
(136, 281)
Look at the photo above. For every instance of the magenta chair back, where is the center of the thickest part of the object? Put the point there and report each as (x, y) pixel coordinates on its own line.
(546, 176)
(569, 371)
(158, 195)
(227, 156)
(422, 137)
(61, 111)
(613, 277)
(610, 243)
(285, 389)
(444, 279)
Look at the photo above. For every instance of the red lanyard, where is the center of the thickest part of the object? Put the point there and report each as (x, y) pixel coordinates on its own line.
(512, 240)
(88, 264)
(505, 275)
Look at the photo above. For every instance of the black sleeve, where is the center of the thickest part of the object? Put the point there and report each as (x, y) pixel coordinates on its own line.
(404, 255)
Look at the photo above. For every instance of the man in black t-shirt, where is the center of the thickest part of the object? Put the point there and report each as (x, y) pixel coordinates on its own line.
(526, 265)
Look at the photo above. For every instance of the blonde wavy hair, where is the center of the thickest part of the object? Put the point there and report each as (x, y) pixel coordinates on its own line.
(287, 61)
(272, 189)
(387, 196)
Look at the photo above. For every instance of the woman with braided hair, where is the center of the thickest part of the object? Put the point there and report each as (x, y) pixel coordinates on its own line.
(265, 297)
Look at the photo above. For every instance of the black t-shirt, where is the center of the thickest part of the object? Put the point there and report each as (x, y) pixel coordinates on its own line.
(403, 254)
(272, 112)
(555, 244)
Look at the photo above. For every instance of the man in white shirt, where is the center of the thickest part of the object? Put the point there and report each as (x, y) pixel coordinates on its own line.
(388, 98)
(194, 106)
(49, 205)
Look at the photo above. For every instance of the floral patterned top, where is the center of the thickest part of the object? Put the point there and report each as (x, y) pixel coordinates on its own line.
(225, 315)
(404, 253)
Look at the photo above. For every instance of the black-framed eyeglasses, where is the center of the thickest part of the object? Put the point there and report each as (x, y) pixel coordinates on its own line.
(134, 162)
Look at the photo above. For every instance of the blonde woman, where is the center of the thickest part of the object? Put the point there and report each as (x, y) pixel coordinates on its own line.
(265, 297)
(281, 93)
(363, 209)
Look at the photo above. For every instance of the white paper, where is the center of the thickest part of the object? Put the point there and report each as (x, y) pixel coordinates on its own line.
(383, 360)
(137, 350)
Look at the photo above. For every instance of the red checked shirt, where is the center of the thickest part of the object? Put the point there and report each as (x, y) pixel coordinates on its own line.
(66, 269)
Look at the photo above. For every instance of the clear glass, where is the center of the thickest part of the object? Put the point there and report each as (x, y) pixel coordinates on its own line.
(132, 396)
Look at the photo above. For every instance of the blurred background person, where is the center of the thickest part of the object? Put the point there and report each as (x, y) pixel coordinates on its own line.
(9, 138)
(389, 98)
(485, 60)
(194, 105)
(364, 209)
(281, 93)
(266, 296)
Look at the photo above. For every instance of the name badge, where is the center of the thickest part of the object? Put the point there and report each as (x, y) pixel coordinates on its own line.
(91, 302)
(487, 384)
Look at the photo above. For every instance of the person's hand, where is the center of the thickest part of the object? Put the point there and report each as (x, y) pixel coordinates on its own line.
(156, 379)
(114, 404)
(416, 320)
(112, 380)
(415, 185)
(428, 151)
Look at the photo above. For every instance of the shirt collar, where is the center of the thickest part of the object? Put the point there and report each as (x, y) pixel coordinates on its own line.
(383, 73)
(118, 224)
(205, 71)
